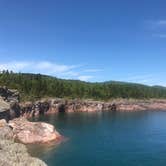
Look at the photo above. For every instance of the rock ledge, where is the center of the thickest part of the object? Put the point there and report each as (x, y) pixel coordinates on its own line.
(33, 132)
(14, 154)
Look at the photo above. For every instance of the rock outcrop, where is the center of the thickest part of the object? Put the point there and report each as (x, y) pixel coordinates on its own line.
(33, 132)
(11, 108)
(21, 130)
(9, 95)
(14, 154)
(9, 103)
(4, 109)
(51, 106)
(141, 105)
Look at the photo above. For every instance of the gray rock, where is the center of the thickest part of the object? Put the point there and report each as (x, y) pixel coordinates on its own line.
(9, 95)
(6, 131)
(14, 154)
(4, 106)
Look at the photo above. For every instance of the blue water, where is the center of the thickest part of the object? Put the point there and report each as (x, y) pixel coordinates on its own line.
(108, 139)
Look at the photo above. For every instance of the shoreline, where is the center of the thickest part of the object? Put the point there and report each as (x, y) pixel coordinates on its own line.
(11, 107)
(22, 133)
(52, 106)
(12, 152)
(19, 128)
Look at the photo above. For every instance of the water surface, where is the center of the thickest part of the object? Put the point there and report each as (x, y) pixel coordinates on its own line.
(109, 138)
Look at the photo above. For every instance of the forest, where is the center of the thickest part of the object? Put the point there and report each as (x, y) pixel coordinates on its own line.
(36, 86)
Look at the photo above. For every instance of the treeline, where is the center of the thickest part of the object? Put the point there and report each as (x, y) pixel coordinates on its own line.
(35, 86)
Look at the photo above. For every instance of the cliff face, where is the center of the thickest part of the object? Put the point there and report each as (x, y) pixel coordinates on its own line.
(11, 108)
(50, 106)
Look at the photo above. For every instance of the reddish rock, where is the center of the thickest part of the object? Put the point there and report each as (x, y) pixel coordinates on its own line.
(51, 106)
(33, 132)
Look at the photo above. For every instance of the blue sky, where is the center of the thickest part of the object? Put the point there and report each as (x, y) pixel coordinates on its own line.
(91, 40)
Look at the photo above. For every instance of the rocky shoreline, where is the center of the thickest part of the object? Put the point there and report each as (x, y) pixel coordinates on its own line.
(23, 131)
(18, 132)
(10, 107)
(52, 106)
(15, 128)
(12, 153)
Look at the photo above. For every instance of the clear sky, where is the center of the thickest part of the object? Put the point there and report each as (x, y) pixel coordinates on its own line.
(92, 40)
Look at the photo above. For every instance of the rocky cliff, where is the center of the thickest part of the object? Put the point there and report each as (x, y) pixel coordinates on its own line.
(51, 106)
(11, 108)
(19, 129)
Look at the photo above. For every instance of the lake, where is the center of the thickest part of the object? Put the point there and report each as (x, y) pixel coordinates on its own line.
(107, 138)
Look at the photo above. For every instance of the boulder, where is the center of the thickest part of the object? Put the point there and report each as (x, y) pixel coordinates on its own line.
(33, 132)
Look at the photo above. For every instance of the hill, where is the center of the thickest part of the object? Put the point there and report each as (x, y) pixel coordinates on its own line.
(36, 86)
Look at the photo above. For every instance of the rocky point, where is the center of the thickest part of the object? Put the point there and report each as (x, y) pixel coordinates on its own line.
(33, 132)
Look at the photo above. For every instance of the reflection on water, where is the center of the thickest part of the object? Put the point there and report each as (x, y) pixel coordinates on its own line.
(39, 150)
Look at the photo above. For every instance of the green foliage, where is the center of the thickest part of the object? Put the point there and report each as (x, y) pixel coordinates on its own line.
(35, 86)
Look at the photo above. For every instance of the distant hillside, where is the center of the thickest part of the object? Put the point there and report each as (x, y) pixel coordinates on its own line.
(35, 86)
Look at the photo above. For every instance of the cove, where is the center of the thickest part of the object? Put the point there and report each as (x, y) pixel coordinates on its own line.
(107, 138)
